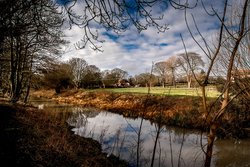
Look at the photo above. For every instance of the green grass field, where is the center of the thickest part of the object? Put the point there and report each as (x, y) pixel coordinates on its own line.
(170, 91)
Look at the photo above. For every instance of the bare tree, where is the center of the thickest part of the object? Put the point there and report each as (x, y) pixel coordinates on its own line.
(167, 69)
(229, 42)
(171, 65)
(78, 66)
(161, 69)
(190, 63)
(146, 79)
(117, 15)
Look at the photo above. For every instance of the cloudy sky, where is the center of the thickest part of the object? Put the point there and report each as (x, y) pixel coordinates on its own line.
(134, 52)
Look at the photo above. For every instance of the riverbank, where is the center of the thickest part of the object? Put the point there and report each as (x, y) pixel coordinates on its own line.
(181, 111)
(172, 110)
(32, 137)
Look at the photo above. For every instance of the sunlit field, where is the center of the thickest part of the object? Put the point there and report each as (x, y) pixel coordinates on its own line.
(170, 91)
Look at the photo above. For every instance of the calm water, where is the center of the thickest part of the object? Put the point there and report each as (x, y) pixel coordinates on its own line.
(174, 147)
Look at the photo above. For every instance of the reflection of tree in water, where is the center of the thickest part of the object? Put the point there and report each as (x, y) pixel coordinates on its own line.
(158, 145)
(174, 146)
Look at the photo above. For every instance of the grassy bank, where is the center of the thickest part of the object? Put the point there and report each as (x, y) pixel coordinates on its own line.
(181, 111)
(31, 137)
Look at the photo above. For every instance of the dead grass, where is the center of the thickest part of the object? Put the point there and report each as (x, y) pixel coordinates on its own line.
(182, 111)
(179, 111)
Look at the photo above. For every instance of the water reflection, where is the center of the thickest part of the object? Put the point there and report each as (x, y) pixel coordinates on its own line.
(173, 147)
(119, 136)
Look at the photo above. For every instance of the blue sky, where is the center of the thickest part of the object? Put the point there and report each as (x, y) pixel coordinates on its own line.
(135, 52)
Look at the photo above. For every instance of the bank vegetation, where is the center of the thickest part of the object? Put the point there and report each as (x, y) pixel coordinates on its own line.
(181, 111)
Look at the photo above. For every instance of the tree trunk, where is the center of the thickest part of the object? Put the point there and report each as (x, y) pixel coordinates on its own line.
(27, 94)
(204, 100)
(173, 78)
(210, 143)
(214, 125)
(189, 81)
(28, 88)
(155, 144)
(138, 151)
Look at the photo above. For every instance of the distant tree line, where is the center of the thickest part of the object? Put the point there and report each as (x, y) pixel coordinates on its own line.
(77, 73)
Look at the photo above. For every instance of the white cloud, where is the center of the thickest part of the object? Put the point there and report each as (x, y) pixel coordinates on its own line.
(150, 45)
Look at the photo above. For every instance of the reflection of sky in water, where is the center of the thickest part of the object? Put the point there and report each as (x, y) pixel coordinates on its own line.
(118, 135)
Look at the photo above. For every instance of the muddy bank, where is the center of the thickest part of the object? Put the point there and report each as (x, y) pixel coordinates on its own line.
(169, 110)
(31, 137)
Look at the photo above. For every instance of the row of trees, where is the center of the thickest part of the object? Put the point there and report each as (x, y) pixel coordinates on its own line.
(78, 73)
(182, 65)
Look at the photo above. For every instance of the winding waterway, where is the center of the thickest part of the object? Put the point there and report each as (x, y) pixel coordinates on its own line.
(171, 147)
